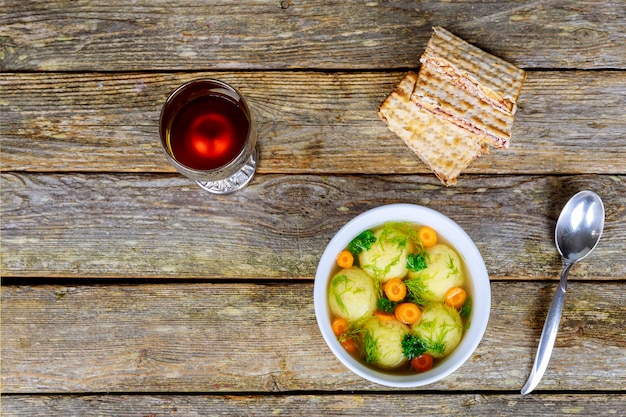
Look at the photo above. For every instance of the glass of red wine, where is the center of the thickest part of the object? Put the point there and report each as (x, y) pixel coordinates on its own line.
(209, 135)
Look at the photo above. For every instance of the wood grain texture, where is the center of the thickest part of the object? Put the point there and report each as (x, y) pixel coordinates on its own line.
(309, 122)
(361, 404)
(347, 34)
(142, 226)
(264, 338)
(204, 303)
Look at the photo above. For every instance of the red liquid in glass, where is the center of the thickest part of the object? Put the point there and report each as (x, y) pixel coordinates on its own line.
(208, 133)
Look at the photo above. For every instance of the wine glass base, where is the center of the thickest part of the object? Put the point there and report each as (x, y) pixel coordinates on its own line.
(235, 182)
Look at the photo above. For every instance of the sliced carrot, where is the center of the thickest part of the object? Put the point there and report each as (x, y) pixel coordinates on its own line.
(339, 326)
(395, 289)
(407, 313)
(455, 297)
(383, 316)
(349, 344)
(422, 363)
(345, 259)
(427, 236)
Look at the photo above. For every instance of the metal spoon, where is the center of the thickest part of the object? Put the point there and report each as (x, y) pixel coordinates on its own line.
(577, 233)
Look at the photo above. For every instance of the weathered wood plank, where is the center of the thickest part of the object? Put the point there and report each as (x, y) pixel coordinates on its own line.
(264, 338)
(405, 404)
(141, 35)
(567, 122)
(80, 225)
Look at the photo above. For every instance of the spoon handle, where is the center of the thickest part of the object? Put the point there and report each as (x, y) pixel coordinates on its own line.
(548, 335)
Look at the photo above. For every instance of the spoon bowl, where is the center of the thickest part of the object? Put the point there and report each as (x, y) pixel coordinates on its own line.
(579, 226)
(577, 233)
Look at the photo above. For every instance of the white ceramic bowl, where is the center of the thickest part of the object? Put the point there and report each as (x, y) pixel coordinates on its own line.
(478, 286)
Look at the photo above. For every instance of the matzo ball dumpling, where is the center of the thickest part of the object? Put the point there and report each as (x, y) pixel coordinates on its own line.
(387, 257)
(441, 328)
(352, 294)
(382, 342)
(444, 270)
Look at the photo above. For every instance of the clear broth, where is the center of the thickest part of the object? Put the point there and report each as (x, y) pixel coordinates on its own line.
(467, 286)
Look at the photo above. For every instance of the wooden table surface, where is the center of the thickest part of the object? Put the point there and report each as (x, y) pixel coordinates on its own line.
(129, 291)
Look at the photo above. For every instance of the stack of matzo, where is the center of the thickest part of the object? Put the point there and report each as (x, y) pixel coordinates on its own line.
(462, 100)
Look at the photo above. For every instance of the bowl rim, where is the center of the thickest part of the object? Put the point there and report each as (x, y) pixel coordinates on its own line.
(466, 248)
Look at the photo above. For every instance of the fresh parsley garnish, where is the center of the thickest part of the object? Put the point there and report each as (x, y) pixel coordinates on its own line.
(466, 310)
(413, 346)
(416, 262)
(386, 305)
(362, 242)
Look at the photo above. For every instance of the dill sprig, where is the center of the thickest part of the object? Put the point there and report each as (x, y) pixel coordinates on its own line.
(337, 293)
(371, 349)
(454, 270)
(395, 233)
(417, 290)
(355, 332)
